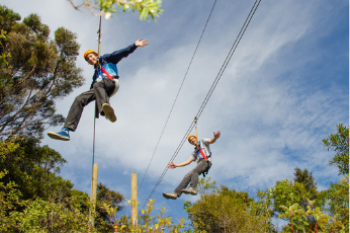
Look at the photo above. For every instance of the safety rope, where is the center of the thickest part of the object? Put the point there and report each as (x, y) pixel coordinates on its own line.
(99, 47)
(197, 138)
(195, 126)
(166, 122)
(211, 90)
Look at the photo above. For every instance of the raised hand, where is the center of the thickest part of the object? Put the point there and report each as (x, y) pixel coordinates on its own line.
(141, 43)
(217, 134)
(172, 165)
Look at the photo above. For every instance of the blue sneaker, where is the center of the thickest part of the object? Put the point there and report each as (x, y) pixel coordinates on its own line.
(62, 135)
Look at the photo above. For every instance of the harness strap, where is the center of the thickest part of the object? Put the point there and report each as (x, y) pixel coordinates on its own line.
(198, 146)
(200, 151)
(106, 73)
(205, 157)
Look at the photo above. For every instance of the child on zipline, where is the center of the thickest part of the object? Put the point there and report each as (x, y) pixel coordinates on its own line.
(104, 85)
(202, 154)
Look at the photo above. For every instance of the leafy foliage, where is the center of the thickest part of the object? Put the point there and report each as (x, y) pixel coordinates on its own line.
(33, 168)
(46, 216)
(227, 210)
(37, 71)
(106, 198)
(148, 223)
(9, 202)
(205, 185)
(145, 8)
(308, 210)
(48, 202)
(304, 221)
(339, 143)
(287, 193)
(8, 18)
(338, 197)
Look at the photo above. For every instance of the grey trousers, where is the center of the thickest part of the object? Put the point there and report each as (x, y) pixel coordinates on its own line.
(192, 176)
(99, 92)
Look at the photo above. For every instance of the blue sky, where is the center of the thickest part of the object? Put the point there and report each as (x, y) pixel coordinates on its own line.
(285, 89)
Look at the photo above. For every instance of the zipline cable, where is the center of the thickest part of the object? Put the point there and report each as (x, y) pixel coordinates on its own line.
(211, 90)
(229, 56)
(166, 122)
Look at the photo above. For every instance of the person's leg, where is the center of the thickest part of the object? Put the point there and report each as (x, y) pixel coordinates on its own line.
(178, 191)
(192, 177)
(77, 108)
(185, 181)
(102, 90)
(74, 115)
(201, 167)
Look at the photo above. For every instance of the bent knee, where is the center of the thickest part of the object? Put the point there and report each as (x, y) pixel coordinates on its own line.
(97, 84)
(81, 99)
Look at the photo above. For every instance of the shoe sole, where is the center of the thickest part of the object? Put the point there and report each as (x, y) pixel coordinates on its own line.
(109, 112)
(56, 136)
(185, 192)
(168, 197)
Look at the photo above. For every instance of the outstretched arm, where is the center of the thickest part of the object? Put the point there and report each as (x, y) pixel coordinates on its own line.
(216, 136)
(172, 165)
(116, 56)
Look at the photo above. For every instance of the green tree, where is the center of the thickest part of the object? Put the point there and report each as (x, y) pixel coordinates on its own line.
(206, 185)
(338, 194)
(106, 197)
(46, 216)
(33, 168)
(227, 210)
(307, 180)
(339, 143)
(338, 201)
(39, 71)
(49, 203)
(147, 222)
(7, 19)
(304, 187)
(9, 195)
(299, 202)
(312, 220)
(146, 8)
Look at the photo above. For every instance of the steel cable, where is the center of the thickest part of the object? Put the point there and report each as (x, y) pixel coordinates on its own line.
(212, 88)
(183, 80)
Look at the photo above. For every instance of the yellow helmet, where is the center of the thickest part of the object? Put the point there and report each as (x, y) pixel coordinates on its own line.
(188, 138)
(87, 52)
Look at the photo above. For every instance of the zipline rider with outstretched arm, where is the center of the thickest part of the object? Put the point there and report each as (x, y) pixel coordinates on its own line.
(202, 154)
(104, 85)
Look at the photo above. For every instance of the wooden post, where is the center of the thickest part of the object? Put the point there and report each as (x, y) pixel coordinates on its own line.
(134, 203)
(93, 194)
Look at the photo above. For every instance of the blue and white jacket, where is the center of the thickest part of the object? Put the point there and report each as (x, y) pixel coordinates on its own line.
(109, 63)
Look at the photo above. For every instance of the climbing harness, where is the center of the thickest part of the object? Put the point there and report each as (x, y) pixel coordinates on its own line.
(106, 73)
(201, 151)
